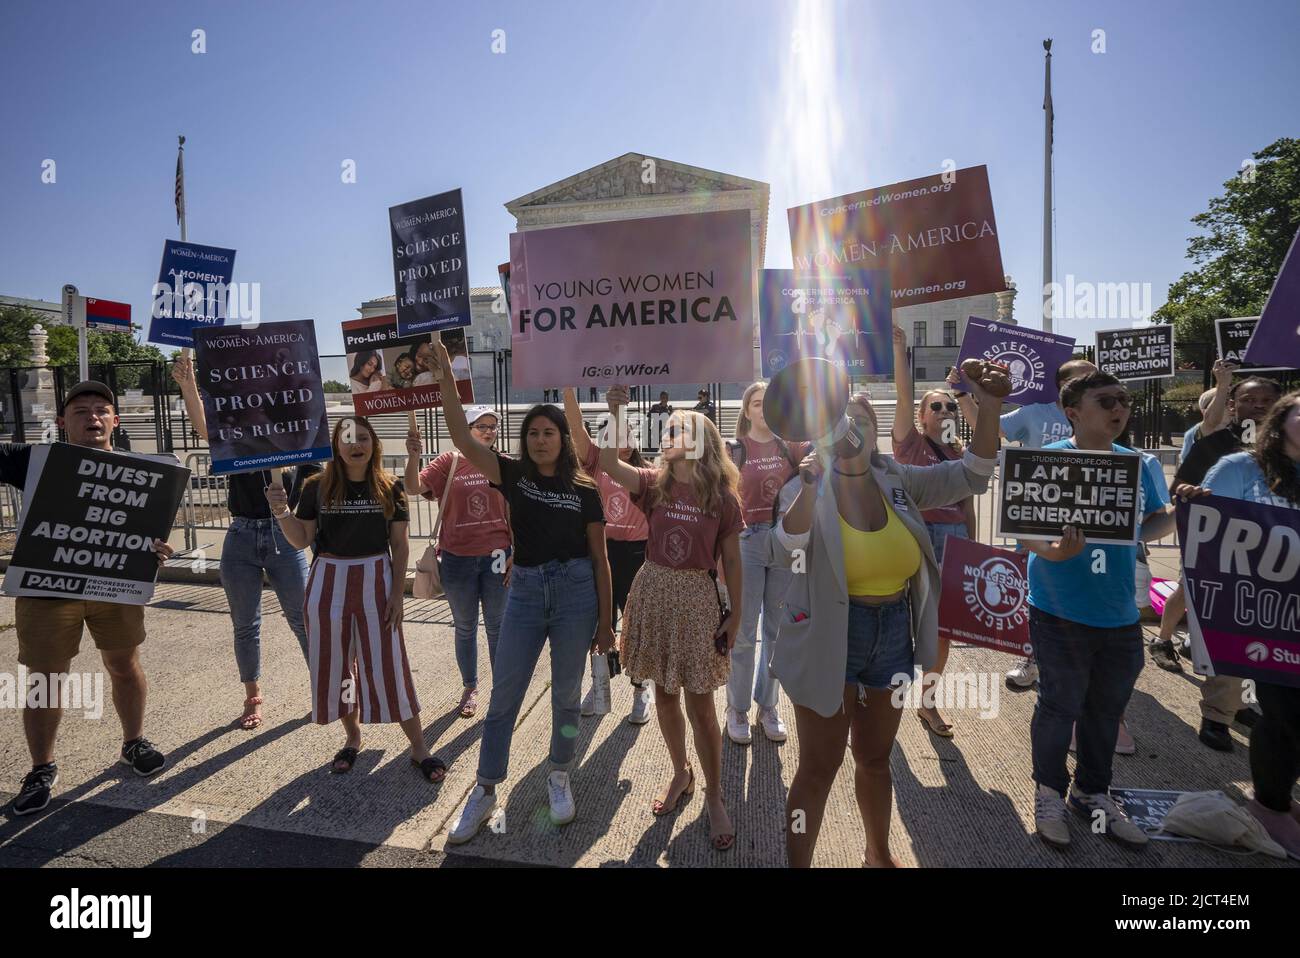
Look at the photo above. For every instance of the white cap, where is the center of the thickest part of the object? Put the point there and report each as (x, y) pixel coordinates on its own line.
(474, 413)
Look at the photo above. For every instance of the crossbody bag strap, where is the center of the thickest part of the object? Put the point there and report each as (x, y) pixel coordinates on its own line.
(437, 523)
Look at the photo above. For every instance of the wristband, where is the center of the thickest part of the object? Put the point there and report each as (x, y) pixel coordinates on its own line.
(281, 515)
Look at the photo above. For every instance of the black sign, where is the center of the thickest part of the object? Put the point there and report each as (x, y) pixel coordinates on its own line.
(1232, 337)
(1044, 490)
(89, 521)
(430, 267)
(1143, 353)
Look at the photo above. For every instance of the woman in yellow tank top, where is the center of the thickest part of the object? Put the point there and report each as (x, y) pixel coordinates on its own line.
(840, 656)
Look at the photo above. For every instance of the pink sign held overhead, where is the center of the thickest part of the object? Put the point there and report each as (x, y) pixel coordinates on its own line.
(668, 299)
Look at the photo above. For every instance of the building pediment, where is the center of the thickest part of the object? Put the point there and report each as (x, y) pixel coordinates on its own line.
(634, 175)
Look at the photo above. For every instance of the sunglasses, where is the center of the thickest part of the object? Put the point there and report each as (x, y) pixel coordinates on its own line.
(937, 406)
(1108, 402)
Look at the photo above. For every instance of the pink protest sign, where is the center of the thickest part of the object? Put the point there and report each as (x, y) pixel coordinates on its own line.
(667, 299)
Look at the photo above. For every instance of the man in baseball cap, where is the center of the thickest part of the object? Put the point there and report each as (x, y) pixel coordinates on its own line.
(50, 629)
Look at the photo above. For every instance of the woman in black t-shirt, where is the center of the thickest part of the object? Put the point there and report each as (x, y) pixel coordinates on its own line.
(253, 546)
(356, 514)
(560, 592)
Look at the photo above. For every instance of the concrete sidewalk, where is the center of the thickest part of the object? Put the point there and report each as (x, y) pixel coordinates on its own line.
(964, 802)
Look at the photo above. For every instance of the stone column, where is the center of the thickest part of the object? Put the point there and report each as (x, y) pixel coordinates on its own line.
(1006, 303)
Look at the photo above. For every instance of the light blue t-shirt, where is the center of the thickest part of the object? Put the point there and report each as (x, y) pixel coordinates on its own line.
(1071, 590)
(1157, 472)
(1189, 440)
(1036, 426)
(1238, 476)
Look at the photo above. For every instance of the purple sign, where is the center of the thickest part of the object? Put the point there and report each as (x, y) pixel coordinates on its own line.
(843, 318)
(1276, 340)
(1241, 567)
(1032, 355)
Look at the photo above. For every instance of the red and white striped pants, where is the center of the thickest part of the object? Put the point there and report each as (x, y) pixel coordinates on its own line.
(354, 660)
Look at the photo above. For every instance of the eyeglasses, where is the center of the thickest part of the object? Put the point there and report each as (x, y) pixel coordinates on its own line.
(484, 427)
(950, 406)
(1108, 402)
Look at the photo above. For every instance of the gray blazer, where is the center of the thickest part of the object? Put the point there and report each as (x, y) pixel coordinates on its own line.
(811, 655)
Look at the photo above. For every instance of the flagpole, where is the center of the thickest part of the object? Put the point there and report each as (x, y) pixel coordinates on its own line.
(180, 204)
(1047, 188)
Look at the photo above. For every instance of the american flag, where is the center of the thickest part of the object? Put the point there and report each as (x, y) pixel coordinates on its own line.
(180, 181)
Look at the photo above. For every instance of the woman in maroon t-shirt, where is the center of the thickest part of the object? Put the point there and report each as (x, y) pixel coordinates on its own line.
(926, 439)
(473, 544)
(675, 630)
(626, 532)
(766, 464)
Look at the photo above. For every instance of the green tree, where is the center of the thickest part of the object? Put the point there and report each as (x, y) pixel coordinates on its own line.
(1247, 232)
(101, 346)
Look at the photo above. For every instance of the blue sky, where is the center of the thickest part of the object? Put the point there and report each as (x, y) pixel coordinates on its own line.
(1145, 132)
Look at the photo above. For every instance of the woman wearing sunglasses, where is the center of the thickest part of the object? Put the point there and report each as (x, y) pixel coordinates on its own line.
(927, 439)
(864, 609)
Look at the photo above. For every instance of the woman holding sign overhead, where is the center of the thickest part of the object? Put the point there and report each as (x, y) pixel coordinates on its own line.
(863, 606)
(926, 439)
(1269, 475)
(356, 514)
(559, 593)
(677, 632)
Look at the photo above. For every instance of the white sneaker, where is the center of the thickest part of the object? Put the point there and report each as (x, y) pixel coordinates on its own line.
(478, 809)
(1023, 676)
(640, 713)
(773, 727)
(589, 703)
(738, 726)
(1117, 825)
(562, 807)
(1049, 817)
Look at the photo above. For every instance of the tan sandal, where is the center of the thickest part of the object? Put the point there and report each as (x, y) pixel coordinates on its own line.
(942, 730)
(721, 841)
(662, 806)
(251, 720)
(469, 703)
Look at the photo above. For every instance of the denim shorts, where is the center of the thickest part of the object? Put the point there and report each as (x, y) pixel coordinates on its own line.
(880, 644)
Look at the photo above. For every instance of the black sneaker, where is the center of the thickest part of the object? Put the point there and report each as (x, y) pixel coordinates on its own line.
(1246, 717)
(1215, 735)
(35, 792)
(142, 756)
(1163, 655)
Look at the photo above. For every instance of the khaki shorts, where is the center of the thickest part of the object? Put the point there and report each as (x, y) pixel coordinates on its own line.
(49, 630)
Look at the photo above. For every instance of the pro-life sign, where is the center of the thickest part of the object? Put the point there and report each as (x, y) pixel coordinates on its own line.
(1044, 490)
(1146, 352)
(985, 596)
(1232, 336)
(88, 524)
(430, 271)
(1241, 570)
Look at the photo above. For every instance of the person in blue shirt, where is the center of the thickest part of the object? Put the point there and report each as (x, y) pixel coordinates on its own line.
(1269, 475)
(1033, 427)
(1083, 623)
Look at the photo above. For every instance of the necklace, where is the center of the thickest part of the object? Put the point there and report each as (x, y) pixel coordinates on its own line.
(852, 474)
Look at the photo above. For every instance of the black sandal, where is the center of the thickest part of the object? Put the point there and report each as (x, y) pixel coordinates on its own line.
(431, 765)
(346, 755)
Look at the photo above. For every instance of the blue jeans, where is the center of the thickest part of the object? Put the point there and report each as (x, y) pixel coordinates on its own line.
(880, 645)
(939, 533)
(764, 589)
(1085, 677)
(254, 546)
(469, 581)
(556, 600)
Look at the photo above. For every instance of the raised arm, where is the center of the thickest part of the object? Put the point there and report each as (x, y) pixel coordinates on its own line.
(1216, 414)
(618, 470)
(992, 384)
(483, 458)
(577, 428)
(183, 373)
(904, 411)
(414, 449)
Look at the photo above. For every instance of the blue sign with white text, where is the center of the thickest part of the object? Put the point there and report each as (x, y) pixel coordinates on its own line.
(192, 291)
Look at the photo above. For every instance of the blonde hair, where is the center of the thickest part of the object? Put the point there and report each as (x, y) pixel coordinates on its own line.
(714, 476)
(955, 445)
(742, 421)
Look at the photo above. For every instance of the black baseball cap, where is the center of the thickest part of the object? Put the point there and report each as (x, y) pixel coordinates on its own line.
(88, 387)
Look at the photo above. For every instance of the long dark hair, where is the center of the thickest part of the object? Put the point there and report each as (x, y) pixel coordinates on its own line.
(364, 357)
(1270, 450)
(567, 468)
